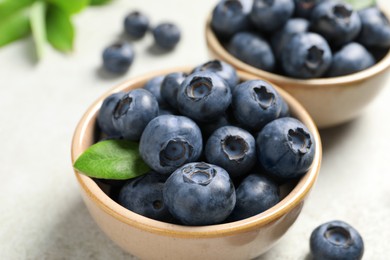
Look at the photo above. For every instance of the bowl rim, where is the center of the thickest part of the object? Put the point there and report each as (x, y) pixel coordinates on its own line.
(221, 53)
(104, 202)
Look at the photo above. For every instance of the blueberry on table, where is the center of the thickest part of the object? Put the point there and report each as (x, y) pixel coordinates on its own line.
(307, 55)
(154, 86)
(233, 149)
(170, 86)
(375, 28)
(352, 58)
(336, 240)
(136, 24)
(199, 194)
(169, 142)
(106, 114)
(133, 112)
(304, 8)
(166, 35)
(270, 15)
(118, 57)
(253, 50)
(204, 96)
(336, 21)
(285, 148)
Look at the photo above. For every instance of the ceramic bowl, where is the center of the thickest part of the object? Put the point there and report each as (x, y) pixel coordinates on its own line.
(330, 101)
(150, 239)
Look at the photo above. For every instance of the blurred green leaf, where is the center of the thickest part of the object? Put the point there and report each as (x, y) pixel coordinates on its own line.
(38, 28)
(70, 6)
(60, 30)
(99, 2)
(9, 7)
(360, 4)
(14, 27)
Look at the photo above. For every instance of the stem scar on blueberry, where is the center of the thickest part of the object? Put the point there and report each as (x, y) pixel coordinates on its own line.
(299, 140)
(341, 11)
(122, 106)
(175, 153)
(234, 147)
(338, 236)
(233, 6)
(158, 204)
(264, 98)
(314, 57)
(202, 174)
(199, 88)
(214, 65)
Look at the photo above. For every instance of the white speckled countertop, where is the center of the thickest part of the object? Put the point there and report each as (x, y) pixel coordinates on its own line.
(42, 215)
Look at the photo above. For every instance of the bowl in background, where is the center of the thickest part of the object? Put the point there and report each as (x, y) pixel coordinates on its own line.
(150, 239)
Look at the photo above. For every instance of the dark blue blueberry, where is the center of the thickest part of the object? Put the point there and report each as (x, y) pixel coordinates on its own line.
(154, 87)
(106, 113)
(307, 55)
(231, 16)
(222, 69)
(133, 112)
(209, 127)
(255, 194)
(256, 103)
(352, 58)
(136, 24)
(270, 15)
(169, 142)
(285, 148)
(304, 8)
(166, 35)
(337, 22)
(253, 50)
(336, 240)
(375, 28)
(233, 149)
(204, 96)
(200, 194)
(170, 87)
(144, 195)
(118, 57)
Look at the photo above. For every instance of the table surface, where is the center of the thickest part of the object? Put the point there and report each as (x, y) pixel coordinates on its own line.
(42, 213)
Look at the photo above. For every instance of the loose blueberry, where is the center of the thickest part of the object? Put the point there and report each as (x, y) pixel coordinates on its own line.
(106, 113)
(352, 58)
(133, 112)
(233, 149)
(336, 240)
(166, 35)
(307, 55)
(136, 24)
(375, 28)
(154, 86)
(170, 87)
(253, 50)
(118, 57)
(270, 15)
(204, 96)
(304, 8)
(285, 148)
(169, 142)
(200, 194)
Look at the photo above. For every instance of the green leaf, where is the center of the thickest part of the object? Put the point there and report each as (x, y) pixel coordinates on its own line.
(360, 4)
(99, 2)
(112, 159)
(60, 30)
(14, 28)
(70, 6)
(9, 7)
(37, 18)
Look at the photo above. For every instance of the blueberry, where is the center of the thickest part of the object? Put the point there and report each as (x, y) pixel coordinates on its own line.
(304, 8)
(336, 21)
(166, 35)
(170, 87)
(253, 50)
(230, 17)
(154, 86)
(233, 149)
(209, 127)
(144, 195)
(307, 55)
(270, 15)
(133, 112)
(106, 113)
(285, 111)
(169, 142)
(222, 69)
(285, 148)
(375, 28)
(204, 96)
(199, 194)
(136, 24)
(118, 57)
(336, 240)
(352, 58)
(255, 194)
(256, 103)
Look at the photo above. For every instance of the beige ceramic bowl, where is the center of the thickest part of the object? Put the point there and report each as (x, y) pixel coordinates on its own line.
(151, 239)
(330, 101)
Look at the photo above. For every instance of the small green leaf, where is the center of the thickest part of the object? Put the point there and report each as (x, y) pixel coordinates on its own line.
(99, 2)
(37, 18)
(70, 6)
(112, 159)
(14, 27)
(9, 7)
(60, 30)
(361, 4)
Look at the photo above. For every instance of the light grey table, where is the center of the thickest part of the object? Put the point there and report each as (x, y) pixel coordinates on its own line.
(42, 215)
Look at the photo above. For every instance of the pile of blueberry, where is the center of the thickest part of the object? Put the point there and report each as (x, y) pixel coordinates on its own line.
(218, 148)
(302, 38)
(118, 57)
